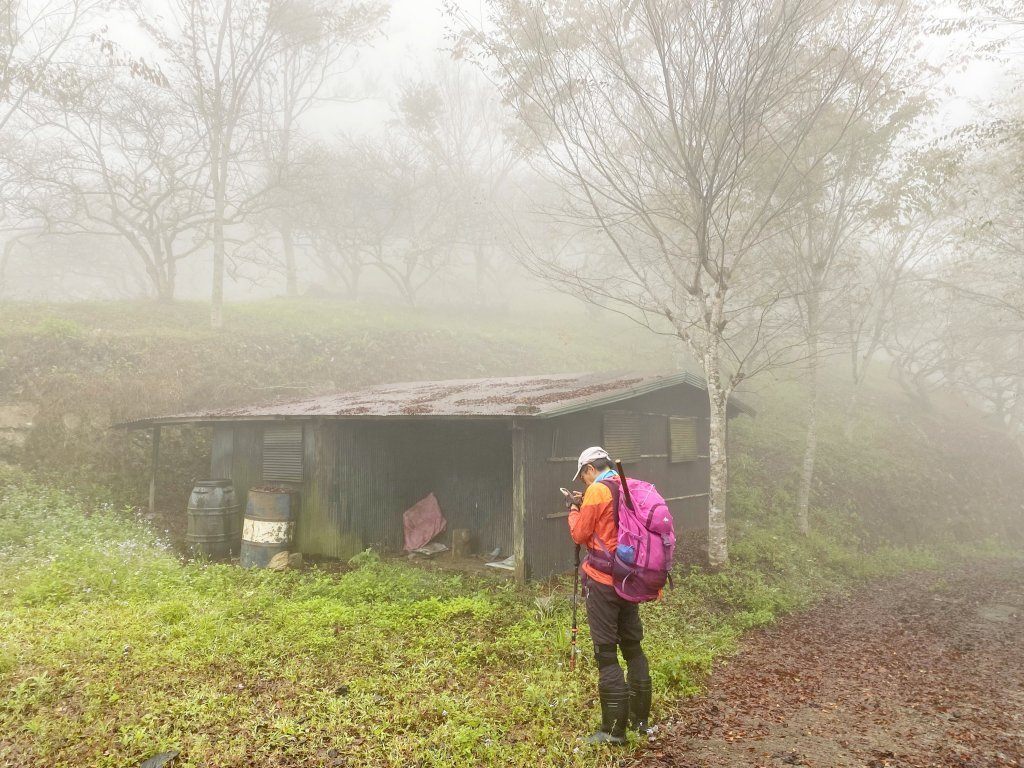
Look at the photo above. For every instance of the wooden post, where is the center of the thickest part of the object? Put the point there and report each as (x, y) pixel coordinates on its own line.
(519, 501)
(154, 468)
(460, 543)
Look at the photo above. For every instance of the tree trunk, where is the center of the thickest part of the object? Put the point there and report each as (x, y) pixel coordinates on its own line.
(217, 294)
(172, 270)
(851, 413)
(718, 398)
(291, 275)
(165, 293)
(803, 498)
(5, 257)
(481, 263)
(164, 273)
(860, 371)
(219, 193)
(1015, 424)
(219, 171)
(352, 288)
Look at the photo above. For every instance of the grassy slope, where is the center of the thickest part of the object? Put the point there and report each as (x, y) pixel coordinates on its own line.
(114, 650)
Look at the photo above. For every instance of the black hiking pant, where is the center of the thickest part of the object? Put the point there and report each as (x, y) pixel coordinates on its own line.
(615, 623)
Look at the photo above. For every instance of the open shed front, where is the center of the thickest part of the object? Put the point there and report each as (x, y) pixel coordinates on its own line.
(356, 477)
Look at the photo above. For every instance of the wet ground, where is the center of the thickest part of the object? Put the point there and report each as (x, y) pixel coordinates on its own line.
(923, 670)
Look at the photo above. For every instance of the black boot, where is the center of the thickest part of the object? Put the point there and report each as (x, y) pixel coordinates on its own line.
(640, 706)
(614, 713)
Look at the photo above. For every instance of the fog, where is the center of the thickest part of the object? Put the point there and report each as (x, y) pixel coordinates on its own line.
(769, 195)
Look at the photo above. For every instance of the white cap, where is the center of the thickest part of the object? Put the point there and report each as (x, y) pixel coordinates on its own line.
(589, 455)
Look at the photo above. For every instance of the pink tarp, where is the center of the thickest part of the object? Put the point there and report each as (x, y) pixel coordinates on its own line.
(422, 522)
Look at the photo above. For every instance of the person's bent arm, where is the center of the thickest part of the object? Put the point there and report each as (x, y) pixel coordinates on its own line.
(583, 520)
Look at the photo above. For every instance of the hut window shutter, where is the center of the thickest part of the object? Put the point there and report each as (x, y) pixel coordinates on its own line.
(282, 453)
(622, 435)
(683, 439)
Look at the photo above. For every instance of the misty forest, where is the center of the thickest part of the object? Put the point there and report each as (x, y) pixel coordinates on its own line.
(309, 307)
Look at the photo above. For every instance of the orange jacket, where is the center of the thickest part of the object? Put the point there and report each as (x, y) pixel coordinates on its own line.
(594, 524)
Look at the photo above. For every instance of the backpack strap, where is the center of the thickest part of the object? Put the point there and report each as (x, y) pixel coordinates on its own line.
(603, 559)
(616, 490)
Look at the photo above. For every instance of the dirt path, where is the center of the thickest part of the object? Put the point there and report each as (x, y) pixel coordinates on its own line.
(925, 670)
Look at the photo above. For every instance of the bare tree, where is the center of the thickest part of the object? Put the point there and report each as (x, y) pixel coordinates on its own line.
(818, 268)
(924, 323)
(321, 46)
(888, 260)
(35, 38)
(401, 204)
(957, 321)
(416, 221)
(134, 167)
(910, 219)
(947, 337)
(458, 121)
(340, 211)
(216, 52)
(16, 239)
(981, 280)
(50, 267)
(38, 46)
(680, 130)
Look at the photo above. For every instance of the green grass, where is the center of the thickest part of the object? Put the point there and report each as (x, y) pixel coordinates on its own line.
(114, 650)
(554, 329)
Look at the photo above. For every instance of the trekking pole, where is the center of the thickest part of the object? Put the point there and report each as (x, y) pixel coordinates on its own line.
(570, 500)
(575, 589)
(625, 488)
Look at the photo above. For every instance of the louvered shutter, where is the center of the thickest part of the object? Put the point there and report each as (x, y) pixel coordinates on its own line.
(282, 453)
(683, 438)
(622, 435)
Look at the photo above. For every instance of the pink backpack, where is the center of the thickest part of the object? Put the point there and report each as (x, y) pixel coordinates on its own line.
(647, 540)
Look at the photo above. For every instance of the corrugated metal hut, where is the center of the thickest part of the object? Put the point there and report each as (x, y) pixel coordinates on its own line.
(494, 452)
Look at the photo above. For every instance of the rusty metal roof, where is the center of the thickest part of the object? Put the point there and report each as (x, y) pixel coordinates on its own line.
(518, 397)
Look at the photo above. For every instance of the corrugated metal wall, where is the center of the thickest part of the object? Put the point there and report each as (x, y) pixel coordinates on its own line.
(221, 453)
(552, 448)
(321, 528)
(324, 526)
(238, 456)
(368, 491)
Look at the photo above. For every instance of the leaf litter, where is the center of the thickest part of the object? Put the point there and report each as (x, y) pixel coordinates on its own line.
(920, 671)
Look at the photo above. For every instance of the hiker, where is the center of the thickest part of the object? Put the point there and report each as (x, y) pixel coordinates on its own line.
(614, 622)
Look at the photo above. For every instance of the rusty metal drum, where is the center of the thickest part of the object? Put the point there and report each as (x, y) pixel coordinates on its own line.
(214, 520)
(269, 525)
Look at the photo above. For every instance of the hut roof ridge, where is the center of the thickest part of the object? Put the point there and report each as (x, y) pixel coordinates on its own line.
(537, 396)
